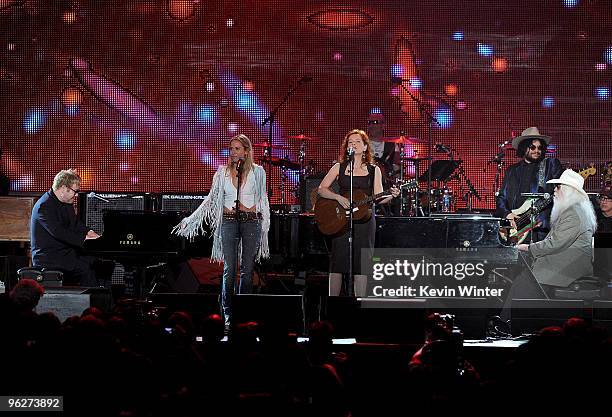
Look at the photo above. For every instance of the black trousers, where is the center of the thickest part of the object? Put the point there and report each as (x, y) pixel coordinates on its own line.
(525, 285)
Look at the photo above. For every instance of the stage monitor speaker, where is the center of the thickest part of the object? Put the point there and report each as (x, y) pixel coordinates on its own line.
(376, 320)
(532, 315)
(278, 311)
(186, 203)
(308, 185)
(65, 302)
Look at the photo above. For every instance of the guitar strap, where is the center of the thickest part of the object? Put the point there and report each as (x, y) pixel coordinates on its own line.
(542, 174)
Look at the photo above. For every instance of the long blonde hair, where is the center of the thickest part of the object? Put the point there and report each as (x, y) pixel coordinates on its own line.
(367, 155)
(248, 160)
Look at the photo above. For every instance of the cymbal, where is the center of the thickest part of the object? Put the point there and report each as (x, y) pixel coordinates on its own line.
(266, 145)
(281, 162)
(301, 136)
(402, 139)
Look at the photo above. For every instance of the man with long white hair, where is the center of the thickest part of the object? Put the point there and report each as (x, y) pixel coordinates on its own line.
(566, 252)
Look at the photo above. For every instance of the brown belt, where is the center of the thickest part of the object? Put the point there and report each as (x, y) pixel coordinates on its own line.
(243, 216)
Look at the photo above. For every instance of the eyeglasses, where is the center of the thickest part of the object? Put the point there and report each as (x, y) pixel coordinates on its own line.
(604, 198)
(534, 147)
(74, 191)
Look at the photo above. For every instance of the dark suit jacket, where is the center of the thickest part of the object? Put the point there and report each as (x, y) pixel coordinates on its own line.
(56, 233)
(516, 178)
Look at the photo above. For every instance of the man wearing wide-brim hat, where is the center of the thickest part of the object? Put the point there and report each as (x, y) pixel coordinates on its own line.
(528, 176)
(566, 253)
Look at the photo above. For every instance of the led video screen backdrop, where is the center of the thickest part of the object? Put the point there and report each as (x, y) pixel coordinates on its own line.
(143, 95)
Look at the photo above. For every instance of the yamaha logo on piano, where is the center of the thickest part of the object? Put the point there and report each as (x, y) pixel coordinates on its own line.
(130, 241)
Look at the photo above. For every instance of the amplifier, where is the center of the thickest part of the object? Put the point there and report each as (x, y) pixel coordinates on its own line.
(181, 202)
(92, 206)
(306, 188)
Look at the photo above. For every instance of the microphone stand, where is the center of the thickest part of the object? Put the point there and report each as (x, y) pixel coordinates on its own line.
(239, 164)
(430, 121)
(350, 279)
(269, 120)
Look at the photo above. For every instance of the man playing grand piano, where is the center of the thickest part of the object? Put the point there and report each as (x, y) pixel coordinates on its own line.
(57, 234)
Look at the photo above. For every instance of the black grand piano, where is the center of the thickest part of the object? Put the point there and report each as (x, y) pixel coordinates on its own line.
(141, 240)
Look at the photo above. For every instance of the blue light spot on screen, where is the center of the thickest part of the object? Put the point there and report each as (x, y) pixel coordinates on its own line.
(484, 49)
(224, 152)
(125, 140)
(376, 110)
(602, 93)
(608, 55)
(34, 120)
(397, 70)
(207, 158)
(458, 36)
(185, 108)
(206, 113)
(570, 3)
(246, 100)
(444, 116)
(293, 176)
(548, 102)
(71, 110)
(416, 83)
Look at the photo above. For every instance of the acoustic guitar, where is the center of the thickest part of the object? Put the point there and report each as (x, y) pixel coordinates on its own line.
(332, 218)
(530, 210)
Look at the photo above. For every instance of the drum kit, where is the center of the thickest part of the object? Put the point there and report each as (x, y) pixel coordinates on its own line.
(413, 202)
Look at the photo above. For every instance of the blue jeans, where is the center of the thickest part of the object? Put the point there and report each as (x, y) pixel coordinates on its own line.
(232, 232)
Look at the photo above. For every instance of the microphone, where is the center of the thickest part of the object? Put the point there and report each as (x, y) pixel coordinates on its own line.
(94, 195)
(536, 195)
(350, 152)
(239, 163)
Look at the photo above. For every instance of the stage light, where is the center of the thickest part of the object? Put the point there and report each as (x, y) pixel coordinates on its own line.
(451, 90)
(206, 113)
(499, 64)
(210, 86)
(181, 9)
(484, 49)
(444, 116)
(601, 66)
(548, 102)
(337, 56)
(458, 36)
(415, 83)
(608, 55)
(34, 120)
(571, 3)
(125, 140)
(72, 110)
(602, 93)
(397, 70)
(229, 23)
(461, 105)
(232, 127)
(376, 110)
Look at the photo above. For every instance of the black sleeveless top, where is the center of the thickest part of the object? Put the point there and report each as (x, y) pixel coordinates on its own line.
(363, 183)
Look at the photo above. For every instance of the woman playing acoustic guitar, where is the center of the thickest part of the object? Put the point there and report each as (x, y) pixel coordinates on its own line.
(367, 179)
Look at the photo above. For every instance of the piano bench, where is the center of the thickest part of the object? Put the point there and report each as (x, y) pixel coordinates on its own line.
(45, 277)
(584, 288)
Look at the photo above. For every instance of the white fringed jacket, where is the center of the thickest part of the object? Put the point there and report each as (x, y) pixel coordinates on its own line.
(211, 212)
